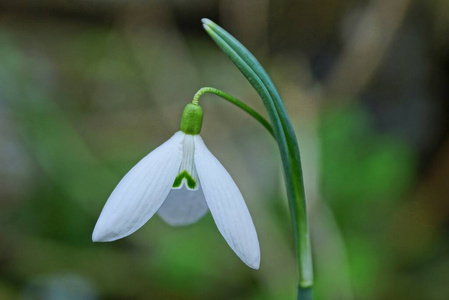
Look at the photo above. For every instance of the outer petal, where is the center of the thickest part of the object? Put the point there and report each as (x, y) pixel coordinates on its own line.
(183, 206)
(227, 206)
(140, 193)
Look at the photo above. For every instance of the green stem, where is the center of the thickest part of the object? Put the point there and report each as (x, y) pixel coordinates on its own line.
(237, 103)
(288, 147)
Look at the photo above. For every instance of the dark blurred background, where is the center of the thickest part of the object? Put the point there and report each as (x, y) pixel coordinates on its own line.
(87, 88)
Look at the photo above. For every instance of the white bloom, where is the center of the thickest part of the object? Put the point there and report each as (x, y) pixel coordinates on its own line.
(180, 180)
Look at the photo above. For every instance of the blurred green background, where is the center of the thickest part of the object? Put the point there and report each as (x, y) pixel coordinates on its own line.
(87, 88)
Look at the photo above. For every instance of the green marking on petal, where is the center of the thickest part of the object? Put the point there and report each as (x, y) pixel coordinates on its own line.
(191, 183)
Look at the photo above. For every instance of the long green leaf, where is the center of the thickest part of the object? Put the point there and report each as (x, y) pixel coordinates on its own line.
(287, 142)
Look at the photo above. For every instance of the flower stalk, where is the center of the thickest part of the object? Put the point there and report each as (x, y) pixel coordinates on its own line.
(236, 102)
(288, 147)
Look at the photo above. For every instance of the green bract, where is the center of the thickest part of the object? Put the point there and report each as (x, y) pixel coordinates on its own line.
(192, 119)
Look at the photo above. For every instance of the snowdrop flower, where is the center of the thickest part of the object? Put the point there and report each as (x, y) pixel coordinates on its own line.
(181, 180)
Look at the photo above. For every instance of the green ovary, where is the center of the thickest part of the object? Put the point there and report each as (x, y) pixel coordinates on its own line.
(191, 183)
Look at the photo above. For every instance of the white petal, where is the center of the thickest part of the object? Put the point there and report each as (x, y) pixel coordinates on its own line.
(183, 206)
(227, 206)
(140, 193)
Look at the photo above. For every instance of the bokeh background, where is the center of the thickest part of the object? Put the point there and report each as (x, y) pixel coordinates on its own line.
(87, 88)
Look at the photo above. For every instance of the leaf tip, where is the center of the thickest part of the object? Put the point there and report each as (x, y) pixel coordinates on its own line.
(207, 28)
(206, 21)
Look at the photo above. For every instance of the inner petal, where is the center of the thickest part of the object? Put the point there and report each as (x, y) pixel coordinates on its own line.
(183, 206)
(187, 175)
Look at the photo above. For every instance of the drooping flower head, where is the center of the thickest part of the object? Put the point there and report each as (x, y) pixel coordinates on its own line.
(181, 180)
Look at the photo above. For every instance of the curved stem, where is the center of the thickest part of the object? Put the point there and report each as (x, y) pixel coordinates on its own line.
(237, 103)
